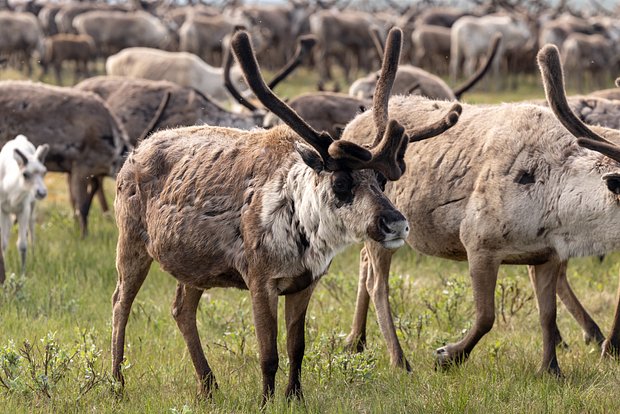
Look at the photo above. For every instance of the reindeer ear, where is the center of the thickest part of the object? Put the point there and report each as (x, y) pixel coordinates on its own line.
(41, 152)
(310, 157)
(613, 182)
(21, 159)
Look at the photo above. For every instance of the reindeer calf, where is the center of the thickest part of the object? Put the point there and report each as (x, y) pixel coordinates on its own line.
(21, 183)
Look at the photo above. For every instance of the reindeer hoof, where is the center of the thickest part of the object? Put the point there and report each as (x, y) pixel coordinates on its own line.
(446, 358)
(355, 344)
(594, 337)
(553, 370)
(443, 360)
(609, 350)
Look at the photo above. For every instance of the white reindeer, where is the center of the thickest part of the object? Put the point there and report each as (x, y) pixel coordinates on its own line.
(21, 184)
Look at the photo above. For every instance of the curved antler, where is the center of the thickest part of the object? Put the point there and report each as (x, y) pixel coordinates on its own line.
(383, 88)
(387, 156)
(461, 89)
(228, 61)
(242, 48)
(438, 127)
(304, 46)
(376, 39)
(158, 113)
(608, 149)
(553, 80)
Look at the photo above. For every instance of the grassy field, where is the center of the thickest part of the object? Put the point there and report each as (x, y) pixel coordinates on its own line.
(55, 327)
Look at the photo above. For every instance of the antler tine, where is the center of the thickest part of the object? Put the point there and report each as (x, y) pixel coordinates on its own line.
(383, 88)
(610, 150)
(245, 56)
(304, 46)
(228, 61)
(387, 156)
(438, 127)
(376, 39)
(491, 52)
(553, 81)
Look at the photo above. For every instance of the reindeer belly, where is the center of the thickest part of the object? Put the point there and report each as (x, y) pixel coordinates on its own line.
(198, 247)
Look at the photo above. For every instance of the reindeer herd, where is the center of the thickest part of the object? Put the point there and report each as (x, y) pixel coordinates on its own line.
(263, 198)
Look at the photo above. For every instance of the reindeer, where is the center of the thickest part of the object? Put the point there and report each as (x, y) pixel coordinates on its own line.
(263, 210)
(21, 183)
(509, 184)
(414, 80)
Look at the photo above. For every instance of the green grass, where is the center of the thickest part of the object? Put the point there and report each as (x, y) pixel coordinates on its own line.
(70, 281)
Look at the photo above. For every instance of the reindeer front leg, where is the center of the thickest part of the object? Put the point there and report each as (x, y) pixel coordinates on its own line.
(265, 311)
(5, 229)
(296, 305)
(23, 221)
(483, 268)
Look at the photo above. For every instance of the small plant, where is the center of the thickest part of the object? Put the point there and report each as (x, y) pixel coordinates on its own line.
(512, 298)
(447, 306)
(13, 288)
(39, 369)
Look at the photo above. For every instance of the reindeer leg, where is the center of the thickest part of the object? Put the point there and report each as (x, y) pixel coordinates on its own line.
(265, 310)
(23, 219)
(356, 341)
(105, 208)
(611, 346)
(83, 199)
(591, 331)
(544, 279)
(132, 264)
(184, 311)
(377, 285)
(483, 268)
(295, 306)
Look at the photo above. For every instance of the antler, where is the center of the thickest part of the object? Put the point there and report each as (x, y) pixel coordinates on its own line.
(553, 81)
(385, 82)
(387, 156)
(304, 46)
(608, 149)
(228, 61)
(460, 90)
(617, 83)
(242, 48)
(439, 127)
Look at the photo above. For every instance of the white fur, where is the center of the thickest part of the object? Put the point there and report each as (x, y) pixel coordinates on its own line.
(325, 230)
(18, 194)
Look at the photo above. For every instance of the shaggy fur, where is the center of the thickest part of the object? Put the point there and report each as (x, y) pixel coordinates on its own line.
(222, 207)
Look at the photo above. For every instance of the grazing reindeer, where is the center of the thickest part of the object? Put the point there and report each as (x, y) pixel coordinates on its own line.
(21, 183)
(509, 184)
(263, 210)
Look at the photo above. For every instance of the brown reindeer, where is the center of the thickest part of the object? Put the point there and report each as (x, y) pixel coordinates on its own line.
(263, 210)
(509, 184)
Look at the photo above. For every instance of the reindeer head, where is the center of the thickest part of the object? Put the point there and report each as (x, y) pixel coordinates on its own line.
(31, 166)
(349, 178)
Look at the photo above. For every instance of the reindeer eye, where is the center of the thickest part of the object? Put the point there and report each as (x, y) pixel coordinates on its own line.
(27, 176)
(342, 185)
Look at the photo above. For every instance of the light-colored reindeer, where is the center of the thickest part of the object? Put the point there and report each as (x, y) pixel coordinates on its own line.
(21, 184)
(509, 184)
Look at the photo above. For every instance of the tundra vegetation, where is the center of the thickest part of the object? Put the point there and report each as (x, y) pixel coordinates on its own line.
(55, 322)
